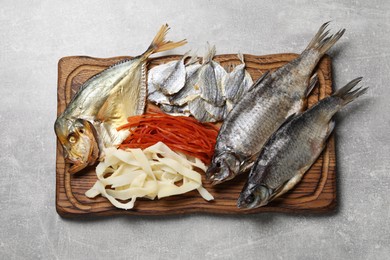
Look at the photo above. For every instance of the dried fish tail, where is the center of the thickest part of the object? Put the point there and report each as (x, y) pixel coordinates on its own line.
(322, 42)
(345, 95)
(159, 43)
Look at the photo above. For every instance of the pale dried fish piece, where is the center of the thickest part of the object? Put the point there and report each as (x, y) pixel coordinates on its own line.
(156, 96)
(169, 77)
(217, 113)
(176, 110)
(237, 82)
(197, 109)
(291, 150)
(189, 91)
(210, 79)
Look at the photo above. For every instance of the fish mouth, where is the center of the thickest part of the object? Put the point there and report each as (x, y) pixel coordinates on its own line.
(87, 153)
(218, 174)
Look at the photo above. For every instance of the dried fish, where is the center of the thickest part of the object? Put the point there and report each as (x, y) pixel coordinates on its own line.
(198, 110)
(237, 82)
(291, 150)
(210, 79)
(103, 103)
(189, 91)
(176, 110)
(169, 77)
(264, 108)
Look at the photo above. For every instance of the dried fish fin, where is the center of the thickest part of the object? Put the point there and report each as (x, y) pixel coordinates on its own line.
(312, 84)
(159, 43)
(211, 51)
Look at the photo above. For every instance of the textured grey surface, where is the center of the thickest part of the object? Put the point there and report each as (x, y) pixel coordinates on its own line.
(34, 35)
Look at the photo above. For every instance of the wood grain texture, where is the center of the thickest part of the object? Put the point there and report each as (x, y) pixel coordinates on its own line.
(314, 194)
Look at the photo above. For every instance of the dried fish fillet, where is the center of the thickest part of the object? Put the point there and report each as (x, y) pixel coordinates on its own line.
(198, 110)
(237, 82)
(189, 91)
(210, 79)
(169, 77)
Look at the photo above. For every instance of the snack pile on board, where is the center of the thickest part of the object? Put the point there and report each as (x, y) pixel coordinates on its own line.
(210, 120)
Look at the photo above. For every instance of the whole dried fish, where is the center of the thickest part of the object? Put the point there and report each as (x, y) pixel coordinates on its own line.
(103, 103)
(264, 108)
(291, 151)
(210, 79)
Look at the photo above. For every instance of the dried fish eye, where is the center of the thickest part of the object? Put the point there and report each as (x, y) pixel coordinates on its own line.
(250, 198)
(81, 130)
(72, 139)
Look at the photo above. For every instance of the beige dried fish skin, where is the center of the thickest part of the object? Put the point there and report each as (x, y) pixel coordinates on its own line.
(103, 103)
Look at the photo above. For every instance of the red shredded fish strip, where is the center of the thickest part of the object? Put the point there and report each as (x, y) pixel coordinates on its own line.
(181, 134)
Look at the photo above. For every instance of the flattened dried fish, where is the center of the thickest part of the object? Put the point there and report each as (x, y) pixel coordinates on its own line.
(169, 77)
(210, 79)
(237, 82)
(197, 109)
(156, 96)
(264, 108)
(188, 92)
(217, 113)
(291, 151)
(102, 104)
(176, 110)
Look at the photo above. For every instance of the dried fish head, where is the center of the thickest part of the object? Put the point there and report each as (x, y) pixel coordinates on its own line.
(224, 166)
(254, 196)
(78, 140)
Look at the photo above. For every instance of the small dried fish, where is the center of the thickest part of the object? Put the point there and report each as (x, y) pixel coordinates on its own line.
(217, 113)
(291, 151)
(198, 110)
(237, 82)
(169, 77)
(188, 92)
(210, 79)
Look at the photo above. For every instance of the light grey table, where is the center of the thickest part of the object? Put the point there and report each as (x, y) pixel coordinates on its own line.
(34, 35)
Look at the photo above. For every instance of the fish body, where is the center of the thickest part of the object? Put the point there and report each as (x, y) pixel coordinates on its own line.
(263, 109)
(103, 103)
(291, 150)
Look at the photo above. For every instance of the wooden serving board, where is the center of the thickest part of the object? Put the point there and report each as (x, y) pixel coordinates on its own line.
(314, 194)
